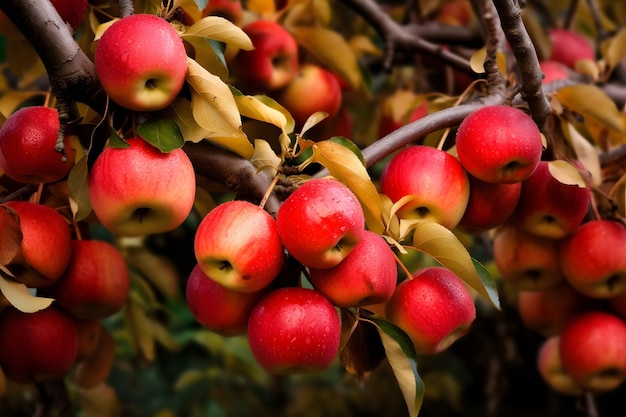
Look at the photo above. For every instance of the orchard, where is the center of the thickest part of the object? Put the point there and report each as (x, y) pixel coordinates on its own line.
(312, 208)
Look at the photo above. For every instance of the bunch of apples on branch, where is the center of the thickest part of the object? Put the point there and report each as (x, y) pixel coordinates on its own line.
(253, 119)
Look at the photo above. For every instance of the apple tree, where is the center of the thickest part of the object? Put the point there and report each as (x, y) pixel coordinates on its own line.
(312, 207)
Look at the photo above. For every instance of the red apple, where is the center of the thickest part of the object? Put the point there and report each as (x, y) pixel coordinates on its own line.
(490, 205)
(273, 62)
(46, 244)
(553, 71)
(593, 258)
(71, 11)
(434, 308)
(548, 207)
(568, 47)
(89, 332)
(95, 369)
(456, 13)
(228, 9)
(140, 190)
(499, 144)
(36, 346)
(238, 246)
(294, 330)
(96, 283)
(593, 350)
(551, 369)
(141, 62)
(547, 310)
(320, 223)
(435, 179)
(27, 146)
(313, 89)
(394, 112)
(526, 261)
(367, 275)
(217, 308)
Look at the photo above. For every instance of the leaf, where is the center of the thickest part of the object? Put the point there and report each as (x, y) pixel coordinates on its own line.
(214, 109)
(586, 153)
(265, 159)
(20, 297)
(10, 235)
(442, 245)
(140, 330)
(566, 173)
(332, 51)
(403, 360)
(180, 111)
(164, 134)
(80, 203)
(613, 50)
(209, 54)
(265, 109)
(477, 61)
(219, 29)
(346, 166)
(158, 270)
(362, 352)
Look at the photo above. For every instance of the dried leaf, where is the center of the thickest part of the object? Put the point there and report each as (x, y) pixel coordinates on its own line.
(362, 352)
(78, 190)
(613, 49)
(10, 235)
(265, 109)
(566, 173)
(180, 111)
(157, 270)
(586, 153)
(20, 297)
(265, 159)
(442, 245)
(219, 29)
(477, 61)
(140, 329)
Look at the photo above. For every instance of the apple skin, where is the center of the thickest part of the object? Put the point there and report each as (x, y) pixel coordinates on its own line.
(436, 179)
(390, 121)
(551, 369)
(434, 308)
(141, 62)
(37, 346)
(228, 9)
(593, 350)
(548, 207)
(553, 71)
(456, 13)
(71, 11)
(368, 275)
(95, 369)
(499, 144)
(96, 283)
(217, 308)
(320, 223)
(46, 246)
(593, 258)
(526, 261)
(320, 88)
(27, 141)
(569, 46)
(546, 311)
(273, 62)
(294, 330)
(237, 245)
(89, 332)
(490, 205)
(140, 190)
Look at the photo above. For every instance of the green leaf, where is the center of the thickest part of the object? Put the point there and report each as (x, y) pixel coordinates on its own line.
(116, 141)
(403, 360)
(442, 245)
(163, 134)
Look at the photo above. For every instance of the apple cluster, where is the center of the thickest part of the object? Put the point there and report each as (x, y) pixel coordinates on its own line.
(88, 280)
(248, 279)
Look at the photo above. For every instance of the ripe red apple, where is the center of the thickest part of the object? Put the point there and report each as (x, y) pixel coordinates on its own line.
(71, 11)
(228, 9)
(593, 350)
(548, 207)
(320, 223)
(36, 346)
(551, 369)
(367, 275)
(294, 330)
(238, 246)
(89, 332)
(569, 46)
(435, 178)
(217, 308)
(499, 144)
(46, 245)
(526, 261)
(547, 310)
(434, 308)
(96, 283)
(140, 190)
(273, 62)
(27, 146)
(490, 205)
(95, 369)
(553, 71)
(593, 258)
(313, 89)
(141, 62)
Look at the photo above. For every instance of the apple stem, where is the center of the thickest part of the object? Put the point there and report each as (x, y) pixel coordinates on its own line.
(269, 190)
(591, 410)
(402, 266)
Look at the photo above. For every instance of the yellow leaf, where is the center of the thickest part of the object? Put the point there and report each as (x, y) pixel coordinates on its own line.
(614, 49)
(265, 159)
(442, 245)
(333, 52)
(477, 61)
(180, 111)
(20, 297)
(265, 109)
(80, 204)
(206, 57)
(140, 330)
(261, 7)
(214, 109)
(586, 153)
(345, 165)
(566, 173)
(219, 29)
